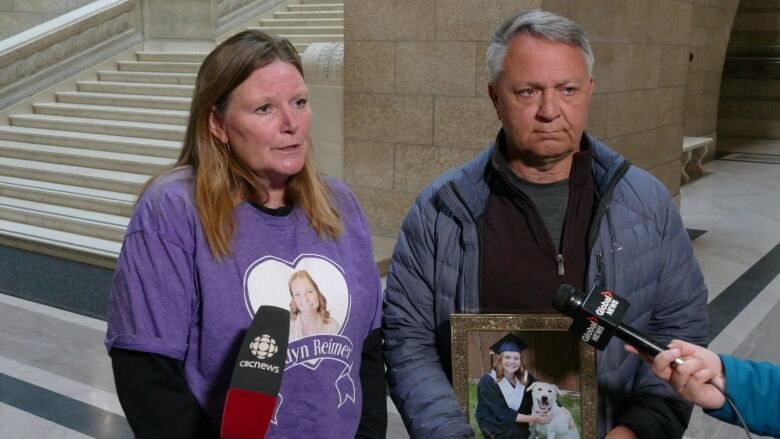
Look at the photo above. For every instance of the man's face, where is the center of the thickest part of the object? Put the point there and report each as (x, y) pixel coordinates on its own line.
(542, 99)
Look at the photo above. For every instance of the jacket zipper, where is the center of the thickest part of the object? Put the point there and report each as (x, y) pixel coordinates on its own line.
(561, 271)
(600, 212)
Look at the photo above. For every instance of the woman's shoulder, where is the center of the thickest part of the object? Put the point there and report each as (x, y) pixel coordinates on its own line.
(166, 199)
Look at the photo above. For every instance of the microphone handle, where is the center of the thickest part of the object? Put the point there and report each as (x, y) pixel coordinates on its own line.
(641, 342)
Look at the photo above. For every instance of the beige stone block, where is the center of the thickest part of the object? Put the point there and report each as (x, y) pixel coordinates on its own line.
(704, 59)
(597, 116)
(475, 20)
(674, 65)
(693, 125)
(468, 123)
(626, 113)
(369, 66)
(384, 209)
(669, 174)
(645, 68)
(560, 7)
(668, 144)
(639, 147)
(383, 20)
(612, 67)
(388, 118)
(369, 164)
(595, 17)
(438, 68)
(416, 166)
(628, 21)
(482, 76)
(669, 22)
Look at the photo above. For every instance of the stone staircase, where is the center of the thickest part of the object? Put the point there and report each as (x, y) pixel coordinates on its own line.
(750, 90)
(71, 170)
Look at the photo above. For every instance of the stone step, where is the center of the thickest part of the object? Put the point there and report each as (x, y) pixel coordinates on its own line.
(299, 30)
(102, 142)
(312, 8)
(744, 89)
(753, 4)
(754, 38)
(760, 21)
(78, 197)
(165, 67)
(67, 245)
(100, 126)
(303, 22)
(751, 67)
(753, 51)
(66, 219)
(306, 15)
(115, 181)
(742, 108)
(186, 57)
(125, 100)
(85, 157)
(322, 2)
(147, 77)
(307, 39)
(169, 117)
(182, 91)
(761, 129)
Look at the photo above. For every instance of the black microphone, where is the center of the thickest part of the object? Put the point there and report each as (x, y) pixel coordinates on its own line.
(257, 375)
(597, 317)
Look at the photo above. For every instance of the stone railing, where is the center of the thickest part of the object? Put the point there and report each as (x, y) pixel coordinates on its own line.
(40, 57)
(233, 13)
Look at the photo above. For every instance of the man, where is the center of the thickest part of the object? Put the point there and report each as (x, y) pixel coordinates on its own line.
(545, 204)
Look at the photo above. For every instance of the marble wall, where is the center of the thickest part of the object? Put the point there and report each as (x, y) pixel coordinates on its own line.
(415, 87)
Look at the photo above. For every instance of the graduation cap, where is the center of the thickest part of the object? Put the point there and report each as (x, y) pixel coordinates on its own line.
(509, 342)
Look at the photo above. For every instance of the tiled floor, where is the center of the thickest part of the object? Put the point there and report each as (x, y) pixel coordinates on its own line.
(55, 379)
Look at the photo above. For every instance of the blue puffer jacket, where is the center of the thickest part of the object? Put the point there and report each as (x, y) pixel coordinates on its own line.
(637, 233)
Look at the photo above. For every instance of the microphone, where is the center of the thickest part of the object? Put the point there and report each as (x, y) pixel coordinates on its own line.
(598, 317)
(257, 375)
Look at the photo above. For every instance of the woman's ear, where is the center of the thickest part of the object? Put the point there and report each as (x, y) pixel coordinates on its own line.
(217, 126)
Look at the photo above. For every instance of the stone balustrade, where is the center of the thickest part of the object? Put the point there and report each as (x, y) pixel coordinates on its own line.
(40, 57)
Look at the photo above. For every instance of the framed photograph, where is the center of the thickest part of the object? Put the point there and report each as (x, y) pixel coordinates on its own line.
(519, 375)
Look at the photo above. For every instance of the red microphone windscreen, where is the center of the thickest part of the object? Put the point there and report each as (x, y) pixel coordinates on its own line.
(257, 375)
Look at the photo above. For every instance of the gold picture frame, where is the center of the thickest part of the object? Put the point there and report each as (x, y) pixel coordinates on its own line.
(549, 356)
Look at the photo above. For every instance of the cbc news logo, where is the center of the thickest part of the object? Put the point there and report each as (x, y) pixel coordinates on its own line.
(263, 347)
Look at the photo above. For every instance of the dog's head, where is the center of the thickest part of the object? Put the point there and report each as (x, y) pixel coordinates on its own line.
(544, 395)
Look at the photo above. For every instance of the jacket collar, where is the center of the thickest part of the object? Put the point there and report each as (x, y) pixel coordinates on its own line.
(470, 180)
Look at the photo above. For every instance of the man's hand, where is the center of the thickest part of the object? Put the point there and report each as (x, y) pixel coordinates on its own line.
(693, 379)
(621, 432)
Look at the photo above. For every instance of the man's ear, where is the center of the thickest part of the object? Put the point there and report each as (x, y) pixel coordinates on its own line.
(217, 126)
(493, 93)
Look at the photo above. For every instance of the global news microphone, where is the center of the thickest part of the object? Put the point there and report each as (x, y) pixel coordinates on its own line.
(753, 387)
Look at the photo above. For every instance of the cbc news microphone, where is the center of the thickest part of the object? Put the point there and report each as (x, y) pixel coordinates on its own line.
(257, 375)
(598, 317)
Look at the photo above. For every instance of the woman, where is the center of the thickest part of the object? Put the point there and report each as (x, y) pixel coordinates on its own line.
(503, 409)
(244, 194)
(308, 308)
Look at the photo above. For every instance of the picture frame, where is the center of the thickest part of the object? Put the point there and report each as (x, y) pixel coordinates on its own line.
(552, 356)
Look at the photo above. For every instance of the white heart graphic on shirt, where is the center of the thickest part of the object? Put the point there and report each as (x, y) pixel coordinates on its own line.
(267, 283)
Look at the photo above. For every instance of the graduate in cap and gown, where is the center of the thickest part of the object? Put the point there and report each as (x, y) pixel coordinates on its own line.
(503, 406)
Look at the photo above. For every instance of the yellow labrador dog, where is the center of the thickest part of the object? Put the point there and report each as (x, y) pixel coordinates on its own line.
(545, 401)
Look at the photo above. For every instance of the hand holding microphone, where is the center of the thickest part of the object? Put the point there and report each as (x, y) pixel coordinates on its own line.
(699, 379)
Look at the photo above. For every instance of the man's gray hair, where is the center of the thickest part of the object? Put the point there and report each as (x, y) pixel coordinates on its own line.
(538, 24)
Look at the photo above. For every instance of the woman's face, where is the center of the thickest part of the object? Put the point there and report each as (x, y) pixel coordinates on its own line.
(305, 295)
(267, 122)
(511, 362)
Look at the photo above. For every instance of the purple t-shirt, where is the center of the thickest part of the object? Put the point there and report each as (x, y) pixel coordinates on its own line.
(170, 297)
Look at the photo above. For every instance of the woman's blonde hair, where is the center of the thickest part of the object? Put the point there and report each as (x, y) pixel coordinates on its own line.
(498, 366)
(221, 181)
(322, 308)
